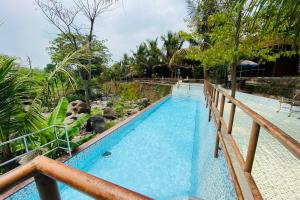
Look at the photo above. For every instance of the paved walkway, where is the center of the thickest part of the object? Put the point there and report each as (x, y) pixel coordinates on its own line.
(276, 171)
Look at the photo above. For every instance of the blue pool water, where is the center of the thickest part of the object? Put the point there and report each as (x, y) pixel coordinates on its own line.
(165, 153)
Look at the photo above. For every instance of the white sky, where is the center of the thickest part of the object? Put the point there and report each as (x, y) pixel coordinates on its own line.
(26, 32)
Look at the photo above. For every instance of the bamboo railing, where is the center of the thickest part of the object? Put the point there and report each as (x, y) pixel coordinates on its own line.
(240, 168)
(46, 171)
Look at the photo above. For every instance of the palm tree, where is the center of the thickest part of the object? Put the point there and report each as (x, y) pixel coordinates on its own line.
(155, 56)
(14, 93)
(172, 43)
(140, 60)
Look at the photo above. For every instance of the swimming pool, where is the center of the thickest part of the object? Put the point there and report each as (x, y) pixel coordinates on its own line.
(164, 153)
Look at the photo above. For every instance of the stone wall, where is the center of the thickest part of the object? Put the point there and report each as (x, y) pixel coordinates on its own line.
(136, 90)
(271, 86)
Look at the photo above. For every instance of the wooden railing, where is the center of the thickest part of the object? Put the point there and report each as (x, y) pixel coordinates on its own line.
(46, 171)
(239, 168)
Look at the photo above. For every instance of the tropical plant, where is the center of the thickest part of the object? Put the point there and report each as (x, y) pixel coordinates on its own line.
(15, 118)
(21, 115)
(172, 42)
(58, 115)
(140, 60)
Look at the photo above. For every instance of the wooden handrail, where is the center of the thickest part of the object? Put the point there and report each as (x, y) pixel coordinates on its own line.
(290, 143)
(55, 170)
(245, 166)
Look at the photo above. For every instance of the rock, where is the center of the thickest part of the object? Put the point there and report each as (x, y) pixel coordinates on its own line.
(83, 110)
(104, 98)
(75, 110)
(95, 124)
(98, 104)
(77, 107)
(143, 102)
(133, 111)
(69, 120)
(109, 113)
(109, 104)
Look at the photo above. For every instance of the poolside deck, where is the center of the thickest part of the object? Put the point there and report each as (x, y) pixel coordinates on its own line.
(276, 171)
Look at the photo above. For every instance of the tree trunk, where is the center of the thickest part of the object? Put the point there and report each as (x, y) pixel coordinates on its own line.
(235, 55)
(298, 64)
(86, 91)
(205, 75)
(88, 75)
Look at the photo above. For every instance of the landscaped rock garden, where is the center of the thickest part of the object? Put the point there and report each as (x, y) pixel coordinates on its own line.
(103, 114)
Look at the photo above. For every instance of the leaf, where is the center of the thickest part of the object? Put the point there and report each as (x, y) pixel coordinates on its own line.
(73, 129)
(58, 115)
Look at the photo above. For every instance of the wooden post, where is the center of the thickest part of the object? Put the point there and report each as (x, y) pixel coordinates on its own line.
(47, 187)
(217, 99)
(231, 118)
(207, 99)
(252, 147)
(214, 94)
(219, 125)
(210, 107)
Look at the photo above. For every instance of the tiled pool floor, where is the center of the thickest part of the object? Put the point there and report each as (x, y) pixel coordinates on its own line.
(275, 170)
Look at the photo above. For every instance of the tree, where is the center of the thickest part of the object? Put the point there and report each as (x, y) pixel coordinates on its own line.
(64, 20)
(281, 17)
(155, 56)
(61, 46)
(235, 32)
(172, 42)
(91, 10)
(199, 13)
(140, 60)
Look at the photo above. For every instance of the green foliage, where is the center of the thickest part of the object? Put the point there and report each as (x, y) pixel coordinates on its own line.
(109, 124)
(49, 68)
(15, 118)
(148, 59)
(74, 128)
(218, 29)
(21, 105)
(57, 116)
(172, 42)
(61, 46)
(128, 91)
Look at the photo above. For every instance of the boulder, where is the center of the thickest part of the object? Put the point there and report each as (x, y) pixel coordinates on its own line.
(109, 104)
(78, 106)
(109, 113)
(69, 120)
(95, 124)
(74, 111)
(104, 98)
(143, 102)
(99, 104)
(83, 110)
(133, 111)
